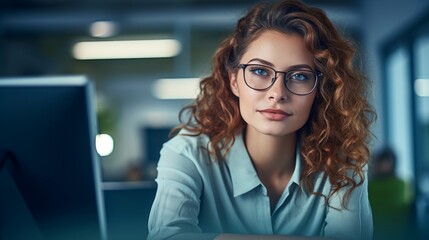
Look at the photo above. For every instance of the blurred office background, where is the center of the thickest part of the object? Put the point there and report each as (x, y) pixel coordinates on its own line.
(139, 96)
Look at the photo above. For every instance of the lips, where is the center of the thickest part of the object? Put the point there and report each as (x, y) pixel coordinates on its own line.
(274, 114)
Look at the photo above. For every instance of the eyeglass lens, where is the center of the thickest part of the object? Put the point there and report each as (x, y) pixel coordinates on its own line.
(261, 77)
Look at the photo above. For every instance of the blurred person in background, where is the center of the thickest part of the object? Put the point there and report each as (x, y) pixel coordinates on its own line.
(276, 143)
(390, 198)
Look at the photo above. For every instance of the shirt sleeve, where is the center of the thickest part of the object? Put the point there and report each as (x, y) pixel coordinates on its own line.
(174, 212)
(355, 222)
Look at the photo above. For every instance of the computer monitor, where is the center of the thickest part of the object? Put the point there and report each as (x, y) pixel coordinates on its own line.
(50, 178)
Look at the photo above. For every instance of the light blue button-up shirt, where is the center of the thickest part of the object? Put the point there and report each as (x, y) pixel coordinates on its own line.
(198, 198)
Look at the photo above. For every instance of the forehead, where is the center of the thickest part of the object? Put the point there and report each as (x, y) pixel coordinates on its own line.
(282, 50)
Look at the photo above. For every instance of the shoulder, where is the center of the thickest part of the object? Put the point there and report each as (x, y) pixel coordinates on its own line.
(186, 143)
(186, 150)
(323, 184)
(353, 219)
(182, 159)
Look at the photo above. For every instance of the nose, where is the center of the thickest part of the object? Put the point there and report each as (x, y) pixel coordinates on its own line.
(278, 91)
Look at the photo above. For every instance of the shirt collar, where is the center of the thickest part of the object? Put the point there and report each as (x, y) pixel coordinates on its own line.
(297, 172)
(243, 174)
(296, 176)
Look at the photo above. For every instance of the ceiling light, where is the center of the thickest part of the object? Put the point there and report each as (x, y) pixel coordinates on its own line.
(162, 48)
(103, 29)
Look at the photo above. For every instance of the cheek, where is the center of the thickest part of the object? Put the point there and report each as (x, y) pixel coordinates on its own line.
(245, 102)
(248, 100)
(305, 106)
(246, 95)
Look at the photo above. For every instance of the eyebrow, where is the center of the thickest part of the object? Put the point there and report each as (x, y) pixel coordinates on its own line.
(261, 61)
(265, 62)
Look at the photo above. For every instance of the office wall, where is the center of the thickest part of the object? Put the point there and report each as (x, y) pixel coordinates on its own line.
(382, 20)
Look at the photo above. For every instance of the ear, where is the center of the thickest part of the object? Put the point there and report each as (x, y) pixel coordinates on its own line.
(234, 84)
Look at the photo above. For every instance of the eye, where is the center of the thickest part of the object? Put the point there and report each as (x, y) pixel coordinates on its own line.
(260, 71)
(300, 76)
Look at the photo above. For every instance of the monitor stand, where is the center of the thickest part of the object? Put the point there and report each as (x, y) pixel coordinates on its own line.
(16, 220)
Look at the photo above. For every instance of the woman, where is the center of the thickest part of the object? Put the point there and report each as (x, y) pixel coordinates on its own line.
(276, 143)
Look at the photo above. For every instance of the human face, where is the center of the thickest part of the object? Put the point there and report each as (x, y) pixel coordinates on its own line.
(275, 111)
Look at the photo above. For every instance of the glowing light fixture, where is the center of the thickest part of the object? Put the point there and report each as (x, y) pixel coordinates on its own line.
(126, 49)
(176, 88)
(421, 87)
(103, 29)
(104, 144)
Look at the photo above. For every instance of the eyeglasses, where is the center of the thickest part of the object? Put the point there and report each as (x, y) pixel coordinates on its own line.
(261, 77)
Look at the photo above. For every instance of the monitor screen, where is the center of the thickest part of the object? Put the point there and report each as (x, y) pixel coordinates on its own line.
(153, 139)
(50, 180)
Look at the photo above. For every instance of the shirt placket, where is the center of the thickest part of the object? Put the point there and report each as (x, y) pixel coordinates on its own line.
(265, 220)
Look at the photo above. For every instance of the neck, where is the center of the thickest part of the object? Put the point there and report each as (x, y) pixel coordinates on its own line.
(271, 155)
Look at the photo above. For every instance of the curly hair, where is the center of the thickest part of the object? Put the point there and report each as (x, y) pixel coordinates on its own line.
(336, 136)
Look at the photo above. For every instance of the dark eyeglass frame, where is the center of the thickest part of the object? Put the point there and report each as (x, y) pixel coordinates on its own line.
(316, 74)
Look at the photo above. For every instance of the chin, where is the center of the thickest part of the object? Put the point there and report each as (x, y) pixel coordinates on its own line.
(277, 132)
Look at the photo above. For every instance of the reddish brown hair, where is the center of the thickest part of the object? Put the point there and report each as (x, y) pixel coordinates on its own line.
(335, 137)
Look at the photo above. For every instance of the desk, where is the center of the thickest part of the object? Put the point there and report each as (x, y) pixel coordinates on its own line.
(127, 209)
